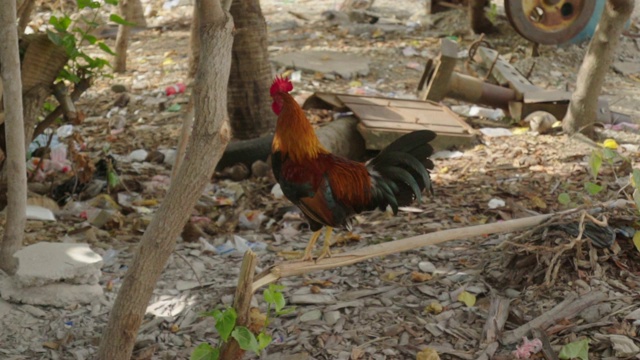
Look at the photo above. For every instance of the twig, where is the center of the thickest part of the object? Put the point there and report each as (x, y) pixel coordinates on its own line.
(68, 107)
(554, 266)
(498, 314)
(78, 90)
(191, 266)
(567, 309)
(530, 72)
(493, 64)
(287, 269)
(547, 350)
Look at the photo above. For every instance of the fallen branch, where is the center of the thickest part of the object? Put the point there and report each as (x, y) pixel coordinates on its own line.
(498, 314)
(294, 268)
(567, 309)
(78, 90)
(68, 107)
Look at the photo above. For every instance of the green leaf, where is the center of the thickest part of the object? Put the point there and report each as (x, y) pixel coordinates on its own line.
(577, 349)
(636, 198)
(112, 179)
(273, 295)
(88, 3)
(90, 38)
(592, 188)
(286, 311)
(225, 322)
(54, 37)
(263, 340)
(609, 155)
(111, 2)
(213, 313)
(246, 339)
(636, 240)
(595, 162)
(205, 351)
(564, 199)
(635, 178)
(61, 24)
(104, 47)
(118, 20)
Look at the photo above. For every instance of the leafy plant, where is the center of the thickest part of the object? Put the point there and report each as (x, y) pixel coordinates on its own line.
(73, 38)
(606, 155)
(247, 340)
(492, 14)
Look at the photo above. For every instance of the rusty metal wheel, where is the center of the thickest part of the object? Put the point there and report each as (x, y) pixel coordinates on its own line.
(549, 22)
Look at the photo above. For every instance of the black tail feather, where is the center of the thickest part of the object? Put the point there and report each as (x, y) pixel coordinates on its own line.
(400, 172)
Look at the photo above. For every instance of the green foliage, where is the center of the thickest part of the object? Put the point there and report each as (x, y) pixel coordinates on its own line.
(564, 199)
(273, 296)
(247, 340)
(592, 188)
(205, 351)
(492, 14)
(595, 162)
(606, 155)
(225, 322)
(72, 39)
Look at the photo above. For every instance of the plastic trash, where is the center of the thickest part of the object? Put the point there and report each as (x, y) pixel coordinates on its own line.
(276, 191)
(251, 219)
(178, 88)
(64, 131)
(238, 245)
(496, 203)
(495, 132)
(446, 154)
(39, 213)
(493, 114)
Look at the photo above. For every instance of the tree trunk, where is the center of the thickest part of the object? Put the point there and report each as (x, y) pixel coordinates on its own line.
(210, 136)
(583, 108)
(122, 39)
(477, 19)
(14, 125)
(24, 13)
(249, 101)
(194, 44)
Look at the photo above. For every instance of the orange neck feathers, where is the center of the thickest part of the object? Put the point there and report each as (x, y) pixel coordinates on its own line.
(294, 135)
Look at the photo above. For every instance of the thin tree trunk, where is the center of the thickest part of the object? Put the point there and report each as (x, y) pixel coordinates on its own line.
(24, 13)
(194, 44)
(14, 125)
(122, 39)
(583, 108)
(210, 136)
(477, 19)
(249, 102)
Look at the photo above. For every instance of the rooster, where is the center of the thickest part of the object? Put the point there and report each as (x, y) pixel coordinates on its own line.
(329, 189)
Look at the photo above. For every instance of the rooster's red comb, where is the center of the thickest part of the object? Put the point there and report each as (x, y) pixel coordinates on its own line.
(280, 84)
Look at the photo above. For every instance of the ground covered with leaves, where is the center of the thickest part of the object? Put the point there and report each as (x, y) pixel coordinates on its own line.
(576, 276)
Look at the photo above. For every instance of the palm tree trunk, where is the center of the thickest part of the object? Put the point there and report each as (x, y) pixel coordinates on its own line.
(249, 102)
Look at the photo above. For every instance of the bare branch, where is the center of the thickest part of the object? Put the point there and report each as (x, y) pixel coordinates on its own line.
(287, 269)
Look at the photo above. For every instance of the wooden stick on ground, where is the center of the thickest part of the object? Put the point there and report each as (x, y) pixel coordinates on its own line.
(287, 269)
(498, 314)
(567, 309)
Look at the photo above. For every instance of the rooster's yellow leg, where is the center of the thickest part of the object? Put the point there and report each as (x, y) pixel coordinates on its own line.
(312, 242)
(326, 251)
